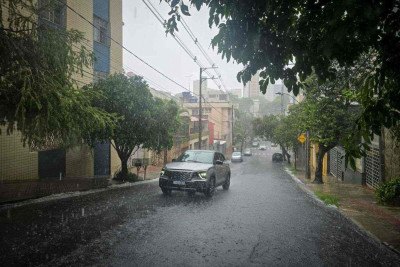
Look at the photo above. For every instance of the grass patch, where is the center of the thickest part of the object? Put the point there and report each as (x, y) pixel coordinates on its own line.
(328, 199)
(292, 169)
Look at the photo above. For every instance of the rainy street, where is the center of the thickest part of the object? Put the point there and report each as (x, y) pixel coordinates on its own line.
(263, 219)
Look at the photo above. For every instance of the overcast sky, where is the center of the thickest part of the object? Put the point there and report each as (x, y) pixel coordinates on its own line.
(144, 35)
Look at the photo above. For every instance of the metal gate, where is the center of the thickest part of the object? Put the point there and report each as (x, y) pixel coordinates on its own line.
(51, 163)
(373, 167)
(336, 162)
(102, 159)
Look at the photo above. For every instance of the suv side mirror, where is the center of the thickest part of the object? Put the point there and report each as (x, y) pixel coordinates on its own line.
(173, 160)
(219, 162)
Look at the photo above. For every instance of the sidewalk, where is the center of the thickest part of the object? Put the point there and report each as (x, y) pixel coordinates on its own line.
(358, 203)
(13, 191)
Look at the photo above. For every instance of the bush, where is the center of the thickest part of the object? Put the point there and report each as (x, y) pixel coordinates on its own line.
(131, 177)
(389, 192)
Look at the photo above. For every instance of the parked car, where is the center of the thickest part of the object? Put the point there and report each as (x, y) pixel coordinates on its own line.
(196, 171)
(274, 145)
(263, 147)
(277, 157)
(255, 144)
(247, 152)
(237, 157)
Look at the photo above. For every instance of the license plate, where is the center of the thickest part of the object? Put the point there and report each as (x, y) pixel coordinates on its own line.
(179, 182)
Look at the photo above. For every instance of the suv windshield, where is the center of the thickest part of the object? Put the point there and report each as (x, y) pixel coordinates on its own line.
(197, 156)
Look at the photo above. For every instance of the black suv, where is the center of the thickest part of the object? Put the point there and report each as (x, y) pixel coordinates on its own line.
(196, 171)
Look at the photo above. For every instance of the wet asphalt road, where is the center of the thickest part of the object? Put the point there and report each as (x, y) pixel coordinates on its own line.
(264, 219)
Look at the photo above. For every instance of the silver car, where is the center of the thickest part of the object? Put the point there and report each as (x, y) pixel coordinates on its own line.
(196, 171)
(237, 157)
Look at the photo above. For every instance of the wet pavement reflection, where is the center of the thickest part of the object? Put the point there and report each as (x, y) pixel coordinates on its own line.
(264, 219)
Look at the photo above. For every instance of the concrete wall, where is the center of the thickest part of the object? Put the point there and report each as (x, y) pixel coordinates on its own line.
(115, 161)
(116, 25)
(79, 162)
(75, 22)
(16, 161)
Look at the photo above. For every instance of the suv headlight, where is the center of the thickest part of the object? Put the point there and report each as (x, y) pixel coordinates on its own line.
(202, 175)
(162, 172)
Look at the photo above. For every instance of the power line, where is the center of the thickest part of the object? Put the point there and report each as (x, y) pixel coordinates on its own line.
(130, 52)
(160, 18)
(123, 47)
(202, 50)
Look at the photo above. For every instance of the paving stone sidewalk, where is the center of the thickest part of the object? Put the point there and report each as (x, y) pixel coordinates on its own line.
(22, 190)
(359, 204)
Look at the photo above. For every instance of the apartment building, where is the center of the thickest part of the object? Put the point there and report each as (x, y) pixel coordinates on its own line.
(217, 117)
(21, 163)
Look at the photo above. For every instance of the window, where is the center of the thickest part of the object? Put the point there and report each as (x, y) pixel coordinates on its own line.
(101, 31)
(54, 13)
(196, 156)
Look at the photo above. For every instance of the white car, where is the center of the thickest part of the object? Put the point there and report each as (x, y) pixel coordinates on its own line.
(237, 156)
(263, 147)
(247, 152)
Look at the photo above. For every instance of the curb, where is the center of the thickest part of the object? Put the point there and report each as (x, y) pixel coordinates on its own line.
(359, 227)
(73, 194)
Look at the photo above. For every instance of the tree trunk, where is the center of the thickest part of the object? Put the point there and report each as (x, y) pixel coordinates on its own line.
(286, 155)
(241, 146)
(320, 161)
(283, 152)
(295, 159)
(124, 168)
(165, 156)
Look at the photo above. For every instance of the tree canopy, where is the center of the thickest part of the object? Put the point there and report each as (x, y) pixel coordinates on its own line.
(243, 130)
(144, 122)
(290, 40)
(166, 123)
(39, 64)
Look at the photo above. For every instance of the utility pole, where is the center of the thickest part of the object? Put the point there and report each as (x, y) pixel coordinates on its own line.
(200, 97)
(200, 108)
(232, 126)
(282, 110)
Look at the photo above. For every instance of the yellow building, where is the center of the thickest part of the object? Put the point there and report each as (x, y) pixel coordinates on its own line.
(219, 114)
(20, 163)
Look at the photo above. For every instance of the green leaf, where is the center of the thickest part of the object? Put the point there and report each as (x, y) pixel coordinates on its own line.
(185, 10)
(174, 2)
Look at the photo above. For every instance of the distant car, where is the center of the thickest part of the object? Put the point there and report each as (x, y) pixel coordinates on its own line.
(277, 157)
(274, 145)
(247, 152)
(237, 157)
(196, 171)
(255, 144)
(263, 147)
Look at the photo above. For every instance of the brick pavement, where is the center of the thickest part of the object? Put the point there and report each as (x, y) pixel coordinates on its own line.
(20, 190)
(358, 203)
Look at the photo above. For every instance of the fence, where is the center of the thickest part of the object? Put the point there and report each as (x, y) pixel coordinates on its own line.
(373, 167)
(336, 162)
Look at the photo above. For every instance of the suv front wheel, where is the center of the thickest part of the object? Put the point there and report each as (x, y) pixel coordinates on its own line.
(211, 188)
(227, 182)
(166, 192)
